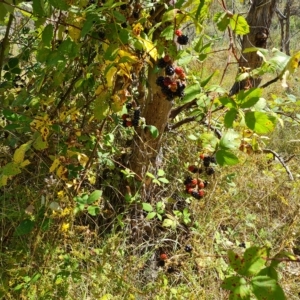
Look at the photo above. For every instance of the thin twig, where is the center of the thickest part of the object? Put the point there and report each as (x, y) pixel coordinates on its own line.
(281, 161)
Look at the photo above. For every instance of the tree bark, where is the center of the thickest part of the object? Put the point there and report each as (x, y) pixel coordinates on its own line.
(259, 19)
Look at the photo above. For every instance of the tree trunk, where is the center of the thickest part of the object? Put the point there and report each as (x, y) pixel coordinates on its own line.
(259, 19)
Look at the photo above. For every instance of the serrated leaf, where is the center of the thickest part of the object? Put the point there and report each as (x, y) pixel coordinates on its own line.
(232, 282)
(254, 260)
(248, 98)
(222, 20)
(267, 288)
(191, 92)
(230, 140)
(94, 196)
(25, 227)
(153, 130)
(260, 122)
(235, 262)
(147, 207)
(168, 33)
(239, 24)
(151, 215)
(269, 271)
(228, 102)
(230, 117)
(225, 157)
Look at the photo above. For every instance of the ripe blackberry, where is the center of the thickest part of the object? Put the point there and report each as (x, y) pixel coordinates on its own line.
(160, 81)
(161, 63)
(188, 248)
(210, 171)
(180, 86)
(242, 245)
(170, 269)
(206, 161)
(167, 81)
(136, 14)
(213, 160)
(135, 122)
(182, 40)
(180, 94)
(188, 180)
(161, 263)
(129, 105)
(196, 195)
(169, 70)
(124, 25)
(137, 114)
(123, 6)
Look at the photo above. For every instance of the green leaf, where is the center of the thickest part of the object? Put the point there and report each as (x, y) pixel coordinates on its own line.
(230, 117)
(230, 140)
(269, 271)
(60, 4)
(207, 79)
(168, 33)
(151, 215)
(222, 20)
(153, 130)
(239, 24)
(93, 210)
(160, 172)
(267, 288)
(228, 102)
(164, 180)
(38, 8)
(235, 262)
(191, 92)
(147, 207)
(232, 282)
(120, 17)
(150, 175)
(248, 98)
(25, 227)
(225, 157)
(47, 34)
(11, 169)
(260, 122)
(94, 196)
(112, 52)
(254, 260)
(13, 62)
(101, 108)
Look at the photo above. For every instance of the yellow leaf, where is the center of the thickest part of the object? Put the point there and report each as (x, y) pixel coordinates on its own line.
(83, 159)
(150, 48)
(24, 163)
(110, 76)
(61, 172)
(54, 165)
(39, 143)
(3, 180)
(290, 68)
(20, 152)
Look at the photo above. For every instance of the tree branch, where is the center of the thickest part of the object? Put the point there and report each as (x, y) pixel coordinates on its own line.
(4, 43)
(176, 111)
(281, 161)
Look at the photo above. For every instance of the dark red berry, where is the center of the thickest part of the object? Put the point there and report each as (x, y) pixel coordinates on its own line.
(178, 32)
(163, 256)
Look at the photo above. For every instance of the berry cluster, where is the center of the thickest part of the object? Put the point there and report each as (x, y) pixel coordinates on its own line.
(207, 160)
(173, 84)
(133, 118)
(181, 38)
(194, 187)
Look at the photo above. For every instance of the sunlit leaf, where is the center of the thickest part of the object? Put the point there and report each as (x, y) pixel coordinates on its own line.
(20, 152)
(267, 288)
(260, 122)
(225, 157)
